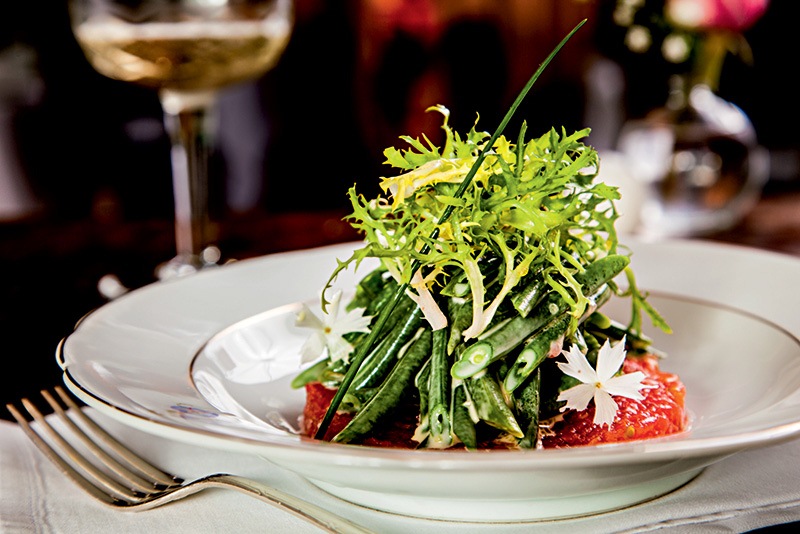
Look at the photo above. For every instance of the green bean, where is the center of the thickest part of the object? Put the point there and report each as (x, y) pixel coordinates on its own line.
(379, 301)
(368, 288)
(592, 344)
(604, 327)
(593, 282)
(331, 377)
(599, 320)
(311, 374)
(325, 371)
(373, 306)
(463, 424)
(529, 296)
(546, 343)
(527, 404)
(398, 314)
(490, 404)
(381, 359)
(601, 271)
(456, 286)
(459, 317)
(354, 400)
(591, 279)
(422, 381)
(390, 392)
(438, 393)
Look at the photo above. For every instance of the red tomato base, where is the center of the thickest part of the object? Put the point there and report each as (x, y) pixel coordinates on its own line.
(660, 413)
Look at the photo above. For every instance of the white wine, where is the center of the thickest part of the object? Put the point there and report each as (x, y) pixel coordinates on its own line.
(184, 56)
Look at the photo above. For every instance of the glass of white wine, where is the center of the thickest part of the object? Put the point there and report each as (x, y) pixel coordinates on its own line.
(187, 50)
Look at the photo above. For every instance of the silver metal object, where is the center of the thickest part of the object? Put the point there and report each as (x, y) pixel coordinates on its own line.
(119, 478)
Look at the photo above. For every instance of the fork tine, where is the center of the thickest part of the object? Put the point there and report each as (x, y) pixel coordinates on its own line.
(51, 454)
(134, 461)
(117, 489)
(129, 478)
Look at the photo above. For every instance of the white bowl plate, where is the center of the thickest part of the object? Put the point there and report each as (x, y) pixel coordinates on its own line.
(208, 359)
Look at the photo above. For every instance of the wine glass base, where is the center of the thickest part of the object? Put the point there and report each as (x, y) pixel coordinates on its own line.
(186, 264)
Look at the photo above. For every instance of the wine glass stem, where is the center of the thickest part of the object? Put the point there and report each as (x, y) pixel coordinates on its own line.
(190, 136)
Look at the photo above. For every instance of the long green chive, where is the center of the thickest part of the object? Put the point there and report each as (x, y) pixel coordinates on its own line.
(367, 344)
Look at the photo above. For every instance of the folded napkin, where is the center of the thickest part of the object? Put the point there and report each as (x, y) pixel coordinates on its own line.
(749, 490)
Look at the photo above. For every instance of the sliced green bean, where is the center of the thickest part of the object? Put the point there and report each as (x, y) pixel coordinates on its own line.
(527, 403)
(402, 310)
(439, 393)
(546, 343)
(422, 381)
(383, 357)
(389, 394)
(491, 405)
(324, 371)
(477, 356)
(463, 423)
(597, 300)
(373, 307)
(599, 320)
(592, 343)
(593, 282)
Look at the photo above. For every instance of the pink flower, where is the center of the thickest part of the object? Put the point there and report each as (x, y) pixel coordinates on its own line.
(731, 15)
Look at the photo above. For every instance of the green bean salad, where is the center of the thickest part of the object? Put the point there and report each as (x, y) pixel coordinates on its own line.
(478, 290)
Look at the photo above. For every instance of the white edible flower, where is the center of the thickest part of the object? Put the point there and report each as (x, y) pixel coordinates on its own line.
(599, 384)
(329, 331)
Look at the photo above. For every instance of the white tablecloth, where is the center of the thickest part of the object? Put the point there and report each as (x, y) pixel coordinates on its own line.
(748, 490)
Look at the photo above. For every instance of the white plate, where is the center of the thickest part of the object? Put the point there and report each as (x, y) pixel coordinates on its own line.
(207, 360)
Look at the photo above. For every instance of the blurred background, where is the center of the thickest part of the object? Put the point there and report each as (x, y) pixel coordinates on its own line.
(85, 186)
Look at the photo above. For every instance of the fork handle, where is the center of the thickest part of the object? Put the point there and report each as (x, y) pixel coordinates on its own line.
(310, 512)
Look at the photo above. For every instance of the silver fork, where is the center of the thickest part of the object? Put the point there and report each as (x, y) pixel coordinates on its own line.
(135, 483)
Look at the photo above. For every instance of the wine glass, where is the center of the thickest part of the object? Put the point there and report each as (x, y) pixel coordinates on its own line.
(187, 50)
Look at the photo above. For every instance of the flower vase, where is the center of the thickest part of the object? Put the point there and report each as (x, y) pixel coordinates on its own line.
(699, 161)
